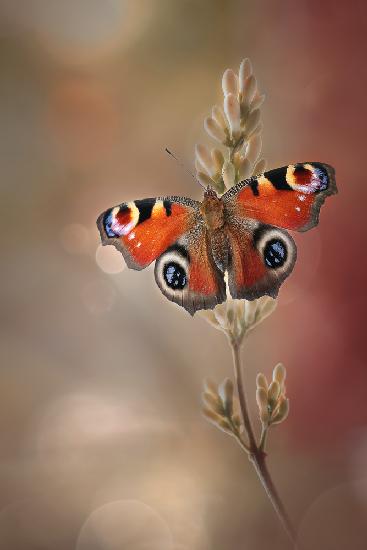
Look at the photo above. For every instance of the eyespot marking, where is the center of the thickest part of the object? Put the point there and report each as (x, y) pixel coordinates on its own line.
(322, 176)
(107, 224)
(116, 219)
(174, 276)
(308, 178)
(172, 270)
(275, 253)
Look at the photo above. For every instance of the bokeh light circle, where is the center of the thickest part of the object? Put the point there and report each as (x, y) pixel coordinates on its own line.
(109, 260)
(125, 525)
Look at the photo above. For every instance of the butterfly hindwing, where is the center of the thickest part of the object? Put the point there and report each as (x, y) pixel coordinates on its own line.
(141, 230)
(289, 197)
(187, 274)
(261, 258)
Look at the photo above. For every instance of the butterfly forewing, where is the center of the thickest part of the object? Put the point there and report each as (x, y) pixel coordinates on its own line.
(143, 229)
(289, 197)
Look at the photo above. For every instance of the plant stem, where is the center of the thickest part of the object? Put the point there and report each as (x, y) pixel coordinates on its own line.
(256, 454)
(242, 395)
(264, 433)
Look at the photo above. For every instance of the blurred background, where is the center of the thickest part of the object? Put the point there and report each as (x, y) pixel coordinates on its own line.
(102, 443)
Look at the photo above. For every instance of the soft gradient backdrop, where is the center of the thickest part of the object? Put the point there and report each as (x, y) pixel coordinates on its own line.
(102, 444)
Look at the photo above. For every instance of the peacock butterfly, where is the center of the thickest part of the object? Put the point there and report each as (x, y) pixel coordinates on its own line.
(241, 232)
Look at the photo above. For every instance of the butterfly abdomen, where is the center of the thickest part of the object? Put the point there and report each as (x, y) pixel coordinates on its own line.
(218, 242)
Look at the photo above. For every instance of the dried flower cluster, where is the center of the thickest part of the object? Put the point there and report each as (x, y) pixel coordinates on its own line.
(236, 318)
(271, 400)
(237, 127)
(221, 407)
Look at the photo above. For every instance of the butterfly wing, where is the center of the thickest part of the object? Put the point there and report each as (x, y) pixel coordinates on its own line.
(289, 197)
(170, 230)
(143, 229)
(187, 275)
(261, 258)
(258, 210)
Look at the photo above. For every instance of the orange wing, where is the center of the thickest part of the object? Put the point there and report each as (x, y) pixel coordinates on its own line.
(288, 197)
(261, 258)
(143, 229)
(187, 275)
(170, 230)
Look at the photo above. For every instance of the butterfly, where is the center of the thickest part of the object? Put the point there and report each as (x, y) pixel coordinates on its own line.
(241, 233)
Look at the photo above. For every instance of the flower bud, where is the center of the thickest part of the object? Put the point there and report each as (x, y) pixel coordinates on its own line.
(244, 73)
(273, 392)
(261, 397)
(214, 130)
(203, 155)
(220, 312)
(279, 374)
(244, 168)
(210, 386)
(262, 403)
(228, 174)
(230, 82)
(261, 382)
(226, 394)
(219, 117)
(232, 110)
(250, 312)
(252, 122)
(254, 148)
(282, 411)
(213, 402)
(230, 316)
(218, 159)
(211, 415)
(210, 317)
(267, 307)
(257, 101)
(225, 425)
(249, 89)
(236, 419)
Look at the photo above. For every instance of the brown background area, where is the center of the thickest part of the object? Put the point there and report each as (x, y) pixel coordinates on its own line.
(102, 444)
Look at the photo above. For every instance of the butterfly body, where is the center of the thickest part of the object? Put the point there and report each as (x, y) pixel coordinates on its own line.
(242, 233)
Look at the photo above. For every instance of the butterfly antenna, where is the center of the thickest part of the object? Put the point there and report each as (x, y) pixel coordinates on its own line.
(184, 167)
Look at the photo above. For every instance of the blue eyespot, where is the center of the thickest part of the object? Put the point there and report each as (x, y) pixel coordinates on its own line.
(275, 253)
(174, 276)
(323, 179)
(107, 224)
